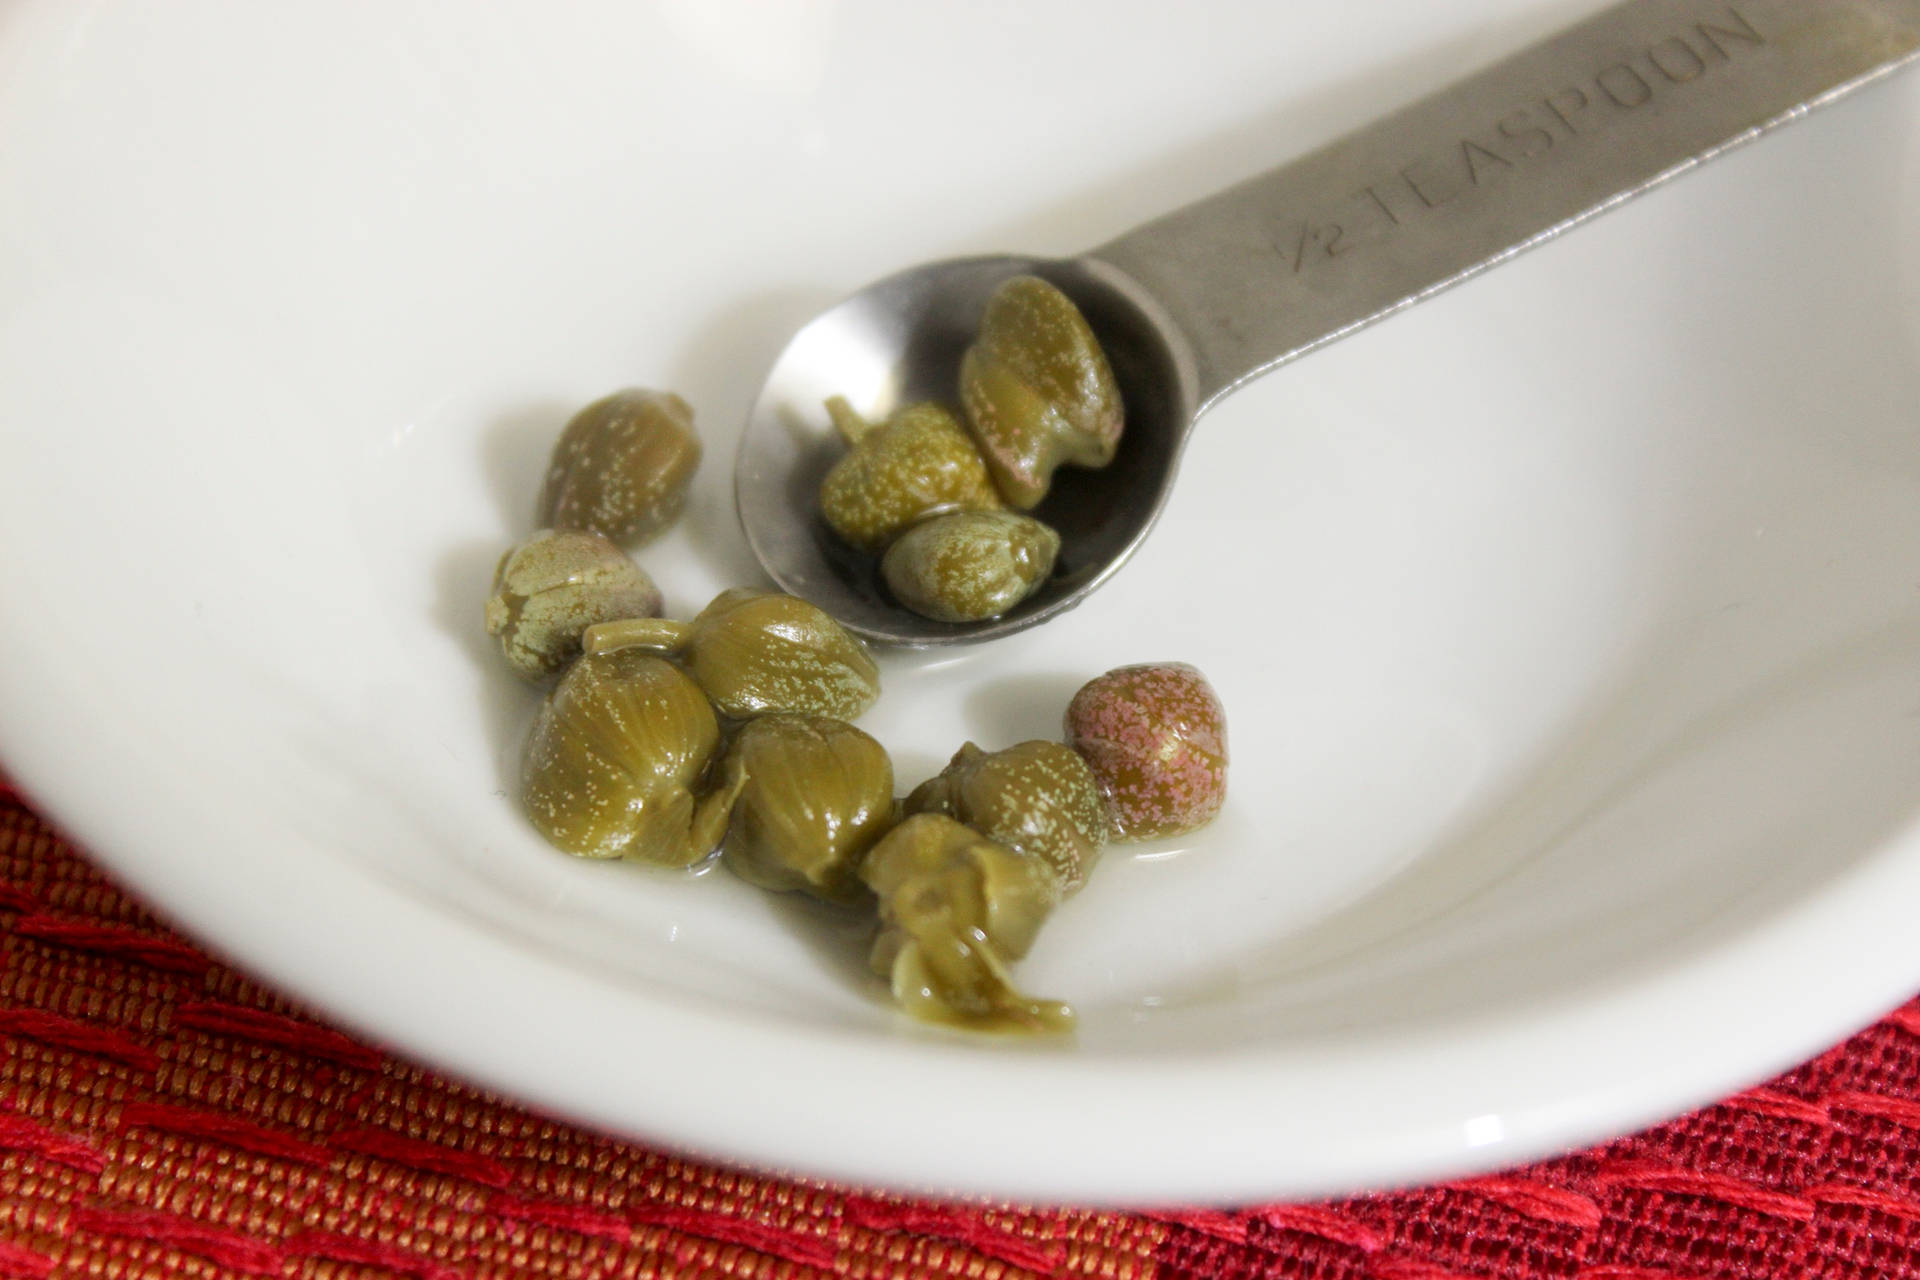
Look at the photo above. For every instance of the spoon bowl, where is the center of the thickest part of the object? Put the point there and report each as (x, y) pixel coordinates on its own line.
(898, 342)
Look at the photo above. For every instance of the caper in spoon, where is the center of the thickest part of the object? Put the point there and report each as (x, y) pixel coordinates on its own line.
(1037, 389)
(920, 461)
(968, 566)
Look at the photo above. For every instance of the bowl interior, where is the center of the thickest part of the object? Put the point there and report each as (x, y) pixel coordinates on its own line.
(1568, 625)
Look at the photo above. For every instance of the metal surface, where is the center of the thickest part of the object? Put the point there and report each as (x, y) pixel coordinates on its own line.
(1198, 302)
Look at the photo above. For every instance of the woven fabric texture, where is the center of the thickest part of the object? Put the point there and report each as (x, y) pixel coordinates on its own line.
(162, 1115)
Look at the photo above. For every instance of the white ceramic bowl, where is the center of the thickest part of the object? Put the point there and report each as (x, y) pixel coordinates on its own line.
(1569, 624)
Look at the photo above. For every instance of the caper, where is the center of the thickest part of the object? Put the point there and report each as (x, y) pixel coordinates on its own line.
(1037, 390)
(622, 466)
(1155, 736)
(970, 565)
(955, 908)
(552, 587)
(756, 652)
(1039, 797)
(616, 752)
(918, 462)
(814, 794)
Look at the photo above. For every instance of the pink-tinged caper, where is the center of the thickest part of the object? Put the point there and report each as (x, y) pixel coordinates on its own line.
(1155, 736)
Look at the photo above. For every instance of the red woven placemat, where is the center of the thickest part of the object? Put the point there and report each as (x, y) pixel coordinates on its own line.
(162, 1115)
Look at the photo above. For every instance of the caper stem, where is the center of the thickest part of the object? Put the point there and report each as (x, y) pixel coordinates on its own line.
(973, 991)
(851, 426)
(663, 634)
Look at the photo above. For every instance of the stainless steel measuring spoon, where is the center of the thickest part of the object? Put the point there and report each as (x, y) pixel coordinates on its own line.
(1206, 298)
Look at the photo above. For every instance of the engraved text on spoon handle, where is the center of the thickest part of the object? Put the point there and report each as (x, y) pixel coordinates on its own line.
(1495, 164)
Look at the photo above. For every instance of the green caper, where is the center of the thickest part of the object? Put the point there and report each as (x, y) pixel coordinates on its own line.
(1037, 390)
(955, 909)
(552, 587)
(616, 753)
(918, 462)
(622, 466)
(1155, 736)
(756, 652)
(814, 794)
(1039, 797)
(969, 565)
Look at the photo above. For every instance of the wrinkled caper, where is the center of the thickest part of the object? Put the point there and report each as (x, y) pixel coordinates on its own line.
(918, 462)
(1155, 736)
(1037, 390)
(1039, 797)
(955, 908)
(970, 565)
(615, 754)
(814, 794)
(622, 466)
(552, 587)
(756, 652)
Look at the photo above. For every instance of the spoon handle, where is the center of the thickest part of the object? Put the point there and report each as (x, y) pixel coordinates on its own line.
(1498, 163)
